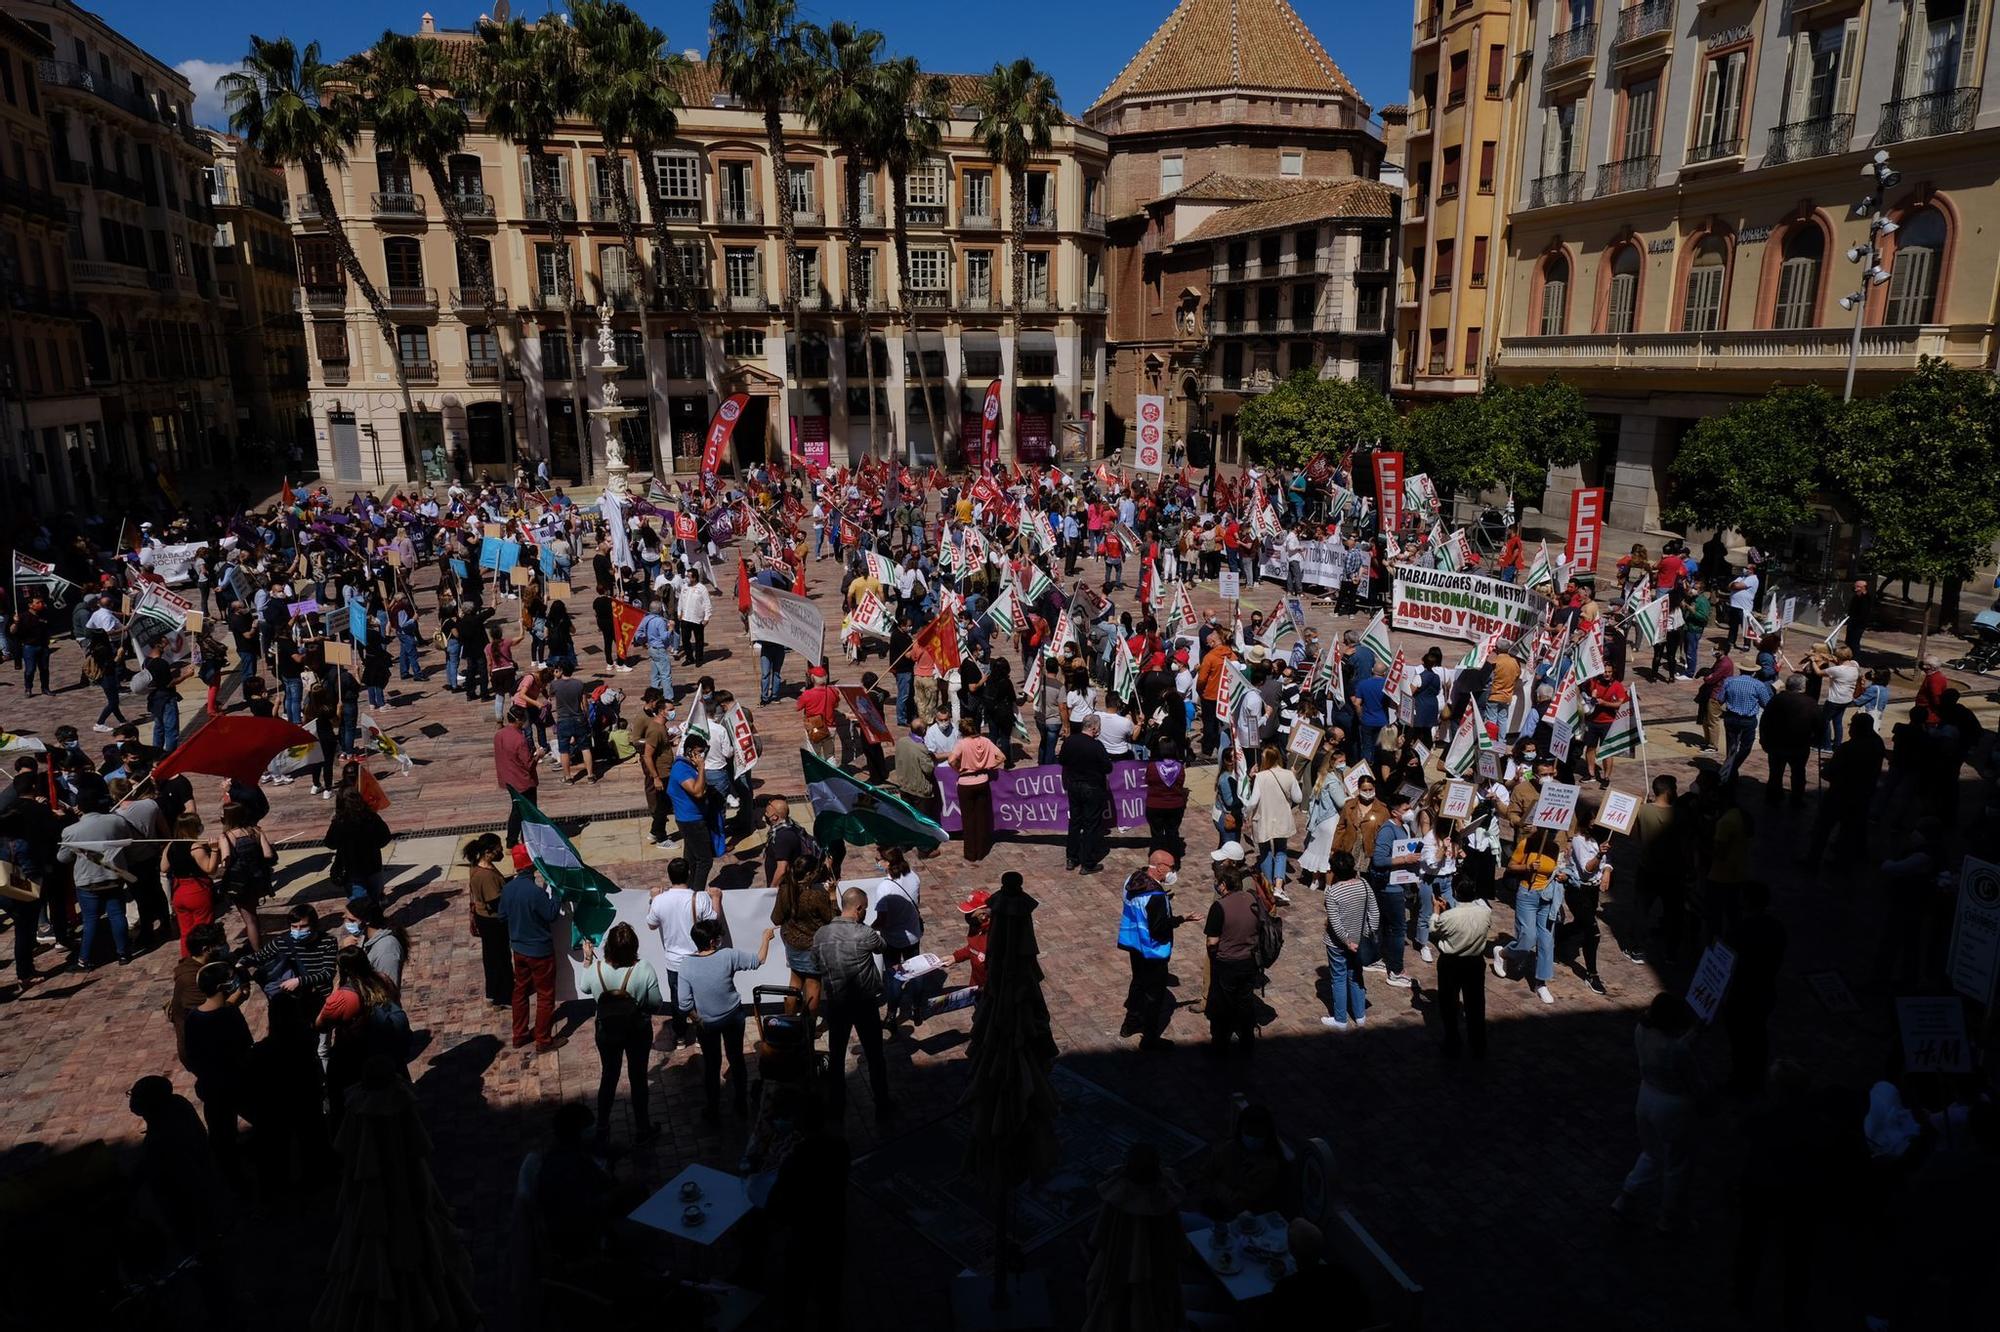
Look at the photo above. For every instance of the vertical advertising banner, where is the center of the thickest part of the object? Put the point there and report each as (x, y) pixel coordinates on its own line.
(1389, 489)
(719, 431)
(1036, 431)
(1586, 526)
(987, 447)
(1149, 444)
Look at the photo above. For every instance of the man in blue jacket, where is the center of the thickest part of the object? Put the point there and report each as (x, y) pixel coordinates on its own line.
(1146, 934)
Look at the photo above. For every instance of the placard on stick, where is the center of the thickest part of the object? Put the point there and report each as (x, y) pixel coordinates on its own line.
(338, 654)
(1933, 1029)
(520, 576)
(494, 530)
(1489, 765)
(1305, 739)
(1230, 585)
(1711, 981)
(1458, 798)
(559, 592)
(1557, 807)
(1620, 808)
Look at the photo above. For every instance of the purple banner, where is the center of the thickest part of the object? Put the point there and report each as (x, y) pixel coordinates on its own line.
(1035, 799)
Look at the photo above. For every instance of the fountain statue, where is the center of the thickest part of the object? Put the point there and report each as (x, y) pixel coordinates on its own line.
(612, 413)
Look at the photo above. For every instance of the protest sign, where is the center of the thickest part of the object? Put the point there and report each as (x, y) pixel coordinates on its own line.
(777, 616)
(1035, 799)
(559, 592)
(1305, 739)
(873, 728)
(1933, 1031)
(1557, 807)
(1489, 765)
(1711, 981)
(357, 620)
(520, 576)
(1463, 605)
(1973, 960)
(1620, 808)
(1586, 528)
(1230, 585)
(1458, 798)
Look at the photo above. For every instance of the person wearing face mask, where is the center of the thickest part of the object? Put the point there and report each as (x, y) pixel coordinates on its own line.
(1395, 862)
(386, 945)
(1360, 819)
(1231, 932)
(1146, 935)
(296, 968)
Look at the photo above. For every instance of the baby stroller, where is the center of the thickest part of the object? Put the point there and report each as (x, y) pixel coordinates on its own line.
(1985, 640)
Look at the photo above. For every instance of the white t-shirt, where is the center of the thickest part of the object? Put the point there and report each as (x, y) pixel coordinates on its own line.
(1744, 597)
(1250, 723)
(1115, 733)
(673, 913)
(1843, 680)
(1583, 850)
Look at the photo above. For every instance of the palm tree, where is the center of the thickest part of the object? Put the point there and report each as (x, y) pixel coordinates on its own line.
(910, 110)
(840, 102)
(404, 84)
(755, 47)
(528, 79)
(1018, 113)
(286, 104)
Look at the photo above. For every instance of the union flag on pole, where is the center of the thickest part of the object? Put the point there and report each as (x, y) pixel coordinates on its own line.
(625, 619)
(940, 639)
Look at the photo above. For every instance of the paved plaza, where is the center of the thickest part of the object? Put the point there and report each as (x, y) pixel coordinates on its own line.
(1489, 1181)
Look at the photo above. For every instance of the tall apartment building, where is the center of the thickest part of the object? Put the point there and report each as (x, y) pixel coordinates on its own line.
(1248, 238)
(496, 375)
(130, 167)
(51, 425)
(1686, 194)
(256, 284)
(1456, 154)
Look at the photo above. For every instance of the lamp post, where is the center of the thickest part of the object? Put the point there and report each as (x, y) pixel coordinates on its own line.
(1869, 253)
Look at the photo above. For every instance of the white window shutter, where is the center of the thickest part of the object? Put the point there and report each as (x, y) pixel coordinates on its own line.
(1551, 140)
(1729, 114)
(1850, 56)
(1916, 37)
(1798, 78)
(1968, 46)
(1711, 92)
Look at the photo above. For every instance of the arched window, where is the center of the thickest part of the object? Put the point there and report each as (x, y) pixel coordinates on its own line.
(1702, 311)
(1555, 296)
(1621, 312)
(1798, 279)
(404, 256)
(1914, 269)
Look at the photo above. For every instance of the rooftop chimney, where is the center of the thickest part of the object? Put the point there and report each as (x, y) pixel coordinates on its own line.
(428, 24)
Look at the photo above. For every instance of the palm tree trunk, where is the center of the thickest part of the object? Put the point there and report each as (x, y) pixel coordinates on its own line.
(679, 290)
(628, 230)
(774, 133)
(899, 185)
(545, 199)
(350, 263)
(857, 299)
(461, 239)
(1017, 223)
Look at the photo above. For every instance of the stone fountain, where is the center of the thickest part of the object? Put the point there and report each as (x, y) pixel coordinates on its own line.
(612, 413)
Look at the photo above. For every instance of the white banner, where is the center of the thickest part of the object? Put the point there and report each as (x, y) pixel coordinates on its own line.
(1463, 605)
(777, 616)
(1321, 564)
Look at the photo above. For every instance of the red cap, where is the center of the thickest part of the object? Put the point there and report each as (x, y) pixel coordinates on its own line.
(976, 902)
(818, 672)
(522, 860)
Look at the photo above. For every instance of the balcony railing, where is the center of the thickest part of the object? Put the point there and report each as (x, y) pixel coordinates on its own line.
(477, 298)
(741, 212)
(1754, 351)
(333, 372)
(923, 215)
(1427, 28)
(1718, 150)
(118, 182)
(63, 74)
(678, 210)
(869, 216)
(930, 298)
(101, 274)
(1948, 112)
(548, 298)
(1092, 302)
(420, 371)
(1093, 221)
(1647, 19)
(323, 298)
(811, 298)
(1565, 187)
(395, 203)
(565, 210)
(71, 171)
(755, 300)
(1803, 140)
(482, 372)
(474, 205)
(1372, 261)
(1631, 173)
(305, 208)
(978, 221)
(603, 208)
(977, 301)
(1568, 47)
(1042, 219)
(809, 216)
(410, 298)
(1039, 304)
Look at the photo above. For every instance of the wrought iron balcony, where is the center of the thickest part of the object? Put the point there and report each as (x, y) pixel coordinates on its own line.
(603, 208)
(323, 298)
(808, 217)
(395, 203)
(1649, 18)
(1042, 219)
(1803, 140)
(482, 372)
(1579, 42)
(1092, 302)
(305, 208)
(978, 221)
(1948, 112)
(531, 209)
(410, 298)
(1631, 173)
(478, 298)
(416, 371)
(474, 205)
(753, 300)
(1719, 150)
(741, 212)
(1565, 187)
(1093, 221)
(678, 210)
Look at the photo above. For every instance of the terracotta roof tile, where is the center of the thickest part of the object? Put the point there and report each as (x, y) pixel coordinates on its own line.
(1207, 44)
(1219, 185)
(1341, 199)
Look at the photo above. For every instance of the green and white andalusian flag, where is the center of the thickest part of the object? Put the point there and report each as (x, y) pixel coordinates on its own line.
(587, 892)
(1542, 572)
(1278, 630)
(1125, 672)
(862, 815)
(1376, 637)
(1649, 622)
(1005, 612)
(1039, 583)
(1326, 672)
(882, 569)
(1479, 653)
(1466, 742)
(1235, 688)
(1627, 732)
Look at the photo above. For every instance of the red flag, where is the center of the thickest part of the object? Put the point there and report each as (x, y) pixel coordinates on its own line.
(799, 580)
(285, 496)
(940, 639)
(684, 528)
(371, 790)
(742, 586)
(719, 431)
(238, 747)
(625, 619)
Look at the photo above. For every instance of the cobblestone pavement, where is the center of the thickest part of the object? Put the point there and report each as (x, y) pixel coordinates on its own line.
(1488, 1180)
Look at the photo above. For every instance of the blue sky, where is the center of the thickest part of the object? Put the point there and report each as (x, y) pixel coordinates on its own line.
(1083, 44)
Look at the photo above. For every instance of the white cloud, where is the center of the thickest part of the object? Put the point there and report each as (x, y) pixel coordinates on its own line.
(208, 109)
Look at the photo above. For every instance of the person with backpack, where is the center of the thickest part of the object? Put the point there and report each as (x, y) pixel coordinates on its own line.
(245, 859)
(364, 1016)
(628, 994)
(1233, 932)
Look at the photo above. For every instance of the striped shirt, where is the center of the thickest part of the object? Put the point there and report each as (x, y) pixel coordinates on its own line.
(1351, 913)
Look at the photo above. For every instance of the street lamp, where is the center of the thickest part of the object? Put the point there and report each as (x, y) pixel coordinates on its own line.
(1869, 254)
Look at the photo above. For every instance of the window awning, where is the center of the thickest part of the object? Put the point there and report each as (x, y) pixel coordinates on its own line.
(979, 340)
(1036, 340)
